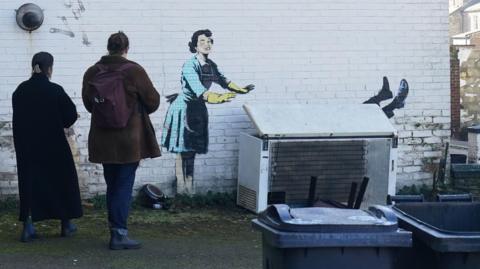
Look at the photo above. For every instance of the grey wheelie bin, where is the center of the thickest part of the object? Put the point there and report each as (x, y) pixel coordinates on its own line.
(446, 235)
(329, 238)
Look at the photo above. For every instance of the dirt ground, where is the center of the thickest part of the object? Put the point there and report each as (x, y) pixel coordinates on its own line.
(206, 238)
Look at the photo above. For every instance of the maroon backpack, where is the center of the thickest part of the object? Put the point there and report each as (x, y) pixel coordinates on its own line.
(110, 108)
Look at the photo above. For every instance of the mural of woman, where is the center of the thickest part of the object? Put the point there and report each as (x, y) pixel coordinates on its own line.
(185, 129)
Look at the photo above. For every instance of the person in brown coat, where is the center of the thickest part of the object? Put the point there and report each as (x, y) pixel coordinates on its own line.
(120, 148)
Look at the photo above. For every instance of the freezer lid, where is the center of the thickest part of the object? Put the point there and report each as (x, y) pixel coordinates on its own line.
(319, 120)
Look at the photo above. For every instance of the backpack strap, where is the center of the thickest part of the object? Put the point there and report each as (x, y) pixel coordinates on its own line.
(101, 67)
(122, 68)
(125, 66)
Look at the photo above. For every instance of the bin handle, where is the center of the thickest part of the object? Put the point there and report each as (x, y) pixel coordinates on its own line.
(283, 212)
(381, 211)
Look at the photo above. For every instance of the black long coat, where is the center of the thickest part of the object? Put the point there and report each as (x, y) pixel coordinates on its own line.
(47, 178)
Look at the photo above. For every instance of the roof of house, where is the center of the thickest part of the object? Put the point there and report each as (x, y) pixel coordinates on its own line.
(464, 39)
(466, 6)
(473, 8)
(466, 34)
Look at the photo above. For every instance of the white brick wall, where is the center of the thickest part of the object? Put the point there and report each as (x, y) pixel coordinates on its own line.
(294, 51)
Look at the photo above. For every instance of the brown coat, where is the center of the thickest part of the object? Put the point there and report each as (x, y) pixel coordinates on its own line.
(137, 140)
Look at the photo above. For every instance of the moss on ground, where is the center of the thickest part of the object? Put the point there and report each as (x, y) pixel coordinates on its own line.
(213, 237)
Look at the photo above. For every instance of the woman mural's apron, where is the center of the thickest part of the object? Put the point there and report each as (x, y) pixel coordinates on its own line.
(196, 125)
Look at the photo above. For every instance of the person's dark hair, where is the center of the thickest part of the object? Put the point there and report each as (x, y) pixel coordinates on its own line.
(193, 43)
(117, 43)
(41, 62)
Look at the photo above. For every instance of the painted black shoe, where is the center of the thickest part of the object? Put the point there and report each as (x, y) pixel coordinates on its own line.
(68, 228)
(382, 95)
(119, 240)
(402, 93)
(398, 101)
(385, 93)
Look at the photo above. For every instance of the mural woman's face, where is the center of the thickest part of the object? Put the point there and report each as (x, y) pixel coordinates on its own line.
(204, 44)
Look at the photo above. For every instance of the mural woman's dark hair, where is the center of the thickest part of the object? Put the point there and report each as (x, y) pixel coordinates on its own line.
(117, 43)
(41, 62)
(193, 43)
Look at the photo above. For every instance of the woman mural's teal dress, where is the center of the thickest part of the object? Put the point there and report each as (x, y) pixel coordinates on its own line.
(185, 128)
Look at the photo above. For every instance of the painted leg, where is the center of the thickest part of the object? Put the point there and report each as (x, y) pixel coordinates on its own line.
(189, 184)
(180, 175)
(188, 161)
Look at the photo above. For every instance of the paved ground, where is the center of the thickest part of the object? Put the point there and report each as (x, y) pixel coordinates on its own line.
(189, 239)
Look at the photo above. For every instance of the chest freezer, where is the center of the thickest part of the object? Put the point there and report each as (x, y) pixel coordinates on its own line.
(338, 144)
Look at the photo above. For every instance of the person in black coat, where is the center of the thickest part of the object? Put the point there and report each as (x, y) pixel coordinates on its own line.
(47, 178)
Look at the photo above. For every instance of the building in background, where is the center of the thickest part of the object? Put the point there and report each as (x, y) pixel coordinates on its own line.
(465, 38)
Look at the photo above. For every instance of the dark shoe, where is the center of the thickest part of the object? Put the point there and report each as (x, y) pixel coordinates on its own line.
(402, 93)
(385, 92)
(68, 228)
(398, 101)
(119, 240)
(388, 113)
(28, 232)
(382, 95)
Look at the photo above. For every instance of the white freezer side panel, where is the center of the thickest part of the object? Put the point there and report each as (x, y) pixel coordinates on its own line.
(392, 177)
(253, 167)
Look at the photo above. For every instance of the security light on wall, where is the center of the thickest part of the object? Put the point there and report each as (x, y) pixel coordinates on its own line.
(29, 17)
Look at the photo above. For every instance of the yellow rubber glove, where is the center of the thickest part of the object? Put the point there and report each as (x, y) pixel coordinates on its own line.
(218, 98)
(235, 88)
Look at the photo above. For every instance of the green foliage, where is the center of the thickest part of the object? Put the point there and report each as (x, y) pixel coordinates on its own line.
(428, 192)
(209, 199)
(424, 189)
(180, 201)
(9, 203)
(98, 201)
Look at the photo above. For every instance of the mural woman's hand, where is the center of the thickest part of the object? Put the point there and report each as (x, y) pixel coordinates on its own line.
(235, 88)
(249, 87)
(218, 98)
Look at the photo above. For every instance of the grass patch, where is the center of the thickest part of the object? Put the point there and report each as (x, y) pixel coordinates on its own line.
(209, 199)
(9, 203)
(181, 202)
(424, 189)
(429, 193)
(224, 200)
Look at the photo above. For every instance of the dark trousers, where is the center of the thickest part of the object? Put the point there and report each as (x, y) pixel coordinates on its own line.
(119, 179)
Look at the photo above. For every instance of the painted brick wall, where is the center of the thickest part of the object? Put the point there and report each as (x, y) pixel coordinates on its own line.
(294, 51)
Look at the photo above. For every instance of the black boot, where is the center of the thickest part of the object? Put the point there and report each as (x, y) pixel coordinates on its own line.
(399, 100)
(28, 232)
(402, 93)
(385, 92)
(119, 240)
(68, 228)
(382, 95)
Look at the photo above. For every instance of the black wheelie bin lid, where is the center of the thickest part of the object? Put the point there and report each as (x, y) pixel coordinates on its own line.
(286, 227)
